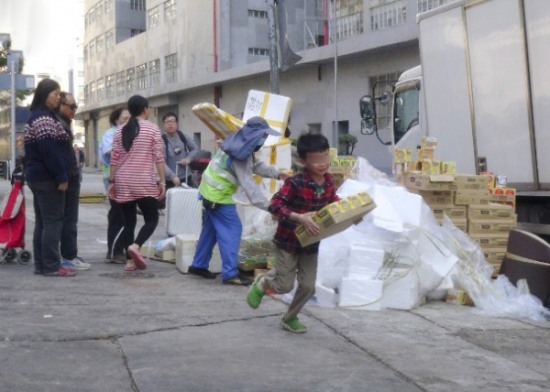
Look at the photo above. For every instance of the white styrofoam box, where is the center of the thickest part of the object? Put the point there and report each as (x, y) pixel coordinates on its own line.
(325, 296)
(396, 207)
(279, 155)
(186, 245)
(361, 292)
(401, 290)
(275, 109)
(364, 260)
(436, 254)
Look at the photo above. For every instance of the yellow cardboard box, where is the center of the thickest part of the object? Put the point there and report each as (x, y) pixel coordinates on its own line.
(452, 211)
(429, 143)
(402, 155)
(437, 197)
(490, 211)
(490, 241)
(431, 166)
(465, 179)
(471, 196)
(337, 217)
(484, 226)
(448, 167)
(428, 182)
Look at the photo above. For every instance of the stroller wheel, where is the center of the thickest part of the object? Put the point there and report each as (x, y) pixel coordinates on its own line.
(24, 257)
(10, 254)
(3, 255)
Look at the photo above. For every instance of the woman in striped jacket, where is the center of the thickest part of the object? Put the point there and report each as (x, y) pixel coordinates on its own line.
(137, 150)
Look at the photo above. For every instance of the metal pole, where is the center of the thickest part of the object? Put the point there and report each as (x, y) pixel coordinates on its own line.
(273, 55)
(335, 41)
(13, 120)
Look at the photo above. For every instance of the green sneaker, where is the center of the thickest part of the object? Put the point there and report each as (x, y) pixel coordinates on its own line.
(293, 325)
(255, 294)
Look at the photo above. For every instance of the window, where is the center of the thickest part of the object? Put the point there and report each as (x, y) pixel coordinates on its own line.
(170, 11)
(100, 89)
(92, 91)
(109, 39)
(85, 53)
(110, 84)
(134, 32)
(120, 83)
(109, 8)
(349, 18)
(382, 84)
(426, 5)
(130, 79)
(138, 5)
(99, 10)
(258, 51)
(141, 76)
(171, 68)
(257, 14)
(86, 93)
(154, 72)
(153, 17)
(91, 50)
(99, 45)
(388, 15)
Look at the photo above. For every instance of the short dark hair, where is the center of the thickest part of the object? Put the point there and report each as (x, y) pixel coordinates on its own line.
(63, 96)
(43, 89)
(170, 114)
(115, 114)
(311, 142)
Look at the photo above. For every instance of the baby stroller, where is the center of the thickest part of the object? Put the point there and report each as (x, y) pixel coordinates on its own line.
(12, 224)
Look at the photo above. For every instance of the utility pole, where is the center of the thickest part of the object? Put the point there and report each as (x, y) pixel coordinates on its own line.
(273, 52)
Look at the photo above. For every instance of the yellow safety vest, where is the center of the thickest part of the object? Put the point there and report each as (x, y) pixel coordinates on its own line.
(219, 182)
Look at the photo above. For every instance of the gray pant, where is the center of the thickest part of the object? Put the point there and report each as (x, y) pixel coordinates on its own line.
(49, 205)
(288, 268)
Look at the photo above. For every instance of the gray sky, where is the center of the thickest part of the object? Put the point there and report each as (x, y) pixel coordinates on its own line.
(47, 31)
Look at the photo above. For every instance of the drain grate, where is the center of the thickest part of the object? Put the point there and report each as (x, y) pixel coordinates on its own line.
(126, 275)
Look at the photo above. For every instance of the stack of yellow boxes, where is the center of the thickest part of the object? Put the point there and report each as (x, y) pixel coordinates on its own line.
(340, 167)
(472, 202)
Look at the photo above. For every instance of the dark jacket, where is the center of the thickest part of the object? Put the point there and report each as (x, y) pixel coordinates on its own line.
(49, 154)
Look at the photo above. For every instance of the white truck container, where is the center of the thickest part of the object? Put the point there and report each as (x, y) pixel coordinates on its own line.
(483, 90)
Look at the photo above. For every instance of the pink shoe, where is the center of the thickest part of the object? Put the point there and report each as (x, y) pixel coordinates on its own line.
(139, 261)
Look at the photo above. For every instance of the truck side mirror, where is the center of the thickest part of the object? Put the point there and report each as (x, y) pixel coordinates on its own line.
(368, 115)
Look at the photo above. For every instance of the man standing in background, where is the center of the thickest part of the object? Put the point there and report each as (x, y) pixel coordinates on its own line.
(69, 235)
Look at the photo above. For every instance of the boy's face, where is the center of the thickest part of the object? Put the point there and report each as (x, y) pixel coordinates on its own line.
(317, 163)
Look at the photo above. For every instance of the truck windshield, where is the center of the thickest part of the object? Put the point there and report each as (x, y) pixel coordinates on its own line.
(405, 112)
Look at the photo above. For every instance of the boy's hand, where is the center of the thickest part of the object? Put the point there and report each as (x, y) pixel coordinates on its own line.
(311, 227)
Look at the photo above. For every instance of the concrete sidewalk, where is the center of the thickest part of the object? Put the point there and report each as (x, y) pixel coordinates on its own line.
(159, 330)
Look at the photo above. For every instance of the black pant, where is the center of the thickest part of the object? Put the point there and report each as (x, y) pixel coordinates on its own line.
(149, 207)
(115, 234)
(49, 205)
(69, 234)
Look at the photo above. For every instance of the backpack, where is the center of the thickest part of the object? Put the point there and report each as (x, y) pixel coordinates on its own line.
(182, 138)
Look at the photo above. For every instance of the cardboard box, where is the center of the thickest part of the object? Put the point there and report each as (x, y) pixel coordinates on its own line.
(491, 241)
(429, 143)
(431, 166)
(494, 255)
(422, 155)
(448, 167)
(461, 224)
(491, 226)
(490, 211)
(438, 197)
(342, 164)
(458, 297)
(337, 217)
(452, 211)
(428, 182)
(274, 108)
(219, 122)
(402, 155)
(469, 179)
(278, 155)
(471, 196)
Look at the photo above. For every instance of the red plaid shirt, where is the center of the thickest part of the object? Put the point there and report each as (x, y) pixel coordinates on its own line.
(299, 194)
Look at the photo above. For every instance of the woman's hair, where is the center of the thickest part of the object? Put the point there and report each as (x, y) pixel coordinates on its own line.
(136, 106)
(115, 115)
(44, 88)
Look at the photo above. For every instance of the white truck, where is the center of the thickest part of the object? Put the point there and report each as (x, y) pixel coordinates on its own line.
(483, 90)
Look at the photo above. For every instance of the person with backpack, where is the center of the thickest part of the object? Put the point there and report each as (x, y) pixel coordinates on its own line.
(179, 151)
(232, 167)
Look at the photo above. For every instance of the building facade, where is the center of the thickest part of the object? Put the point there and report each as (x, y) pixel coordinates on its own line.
(179, 53)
